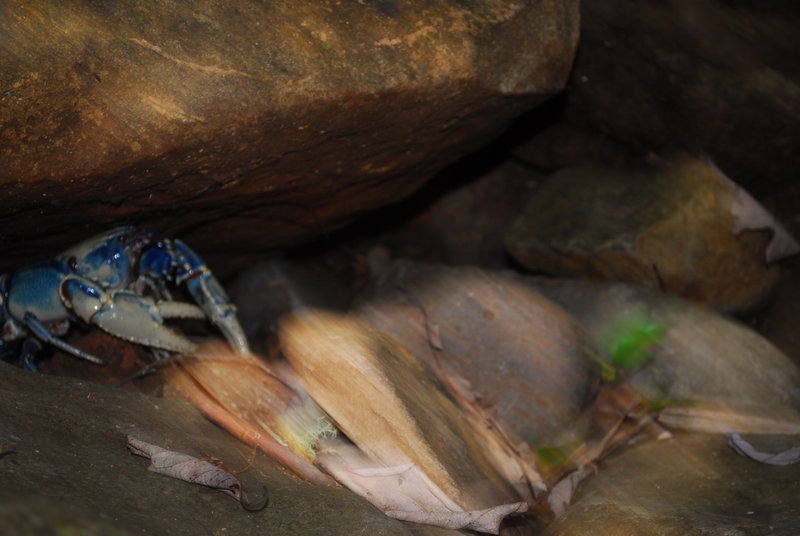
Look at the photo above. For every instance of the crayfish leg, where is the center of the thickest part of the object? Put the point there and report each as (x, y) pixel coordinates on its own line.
(41, 332)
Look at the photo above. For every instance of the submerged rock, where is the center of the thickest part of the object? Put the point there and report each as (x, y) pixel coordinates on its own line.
(702, 358)
(685, 229)
(248, 124)
(519, 354)
(690, 484)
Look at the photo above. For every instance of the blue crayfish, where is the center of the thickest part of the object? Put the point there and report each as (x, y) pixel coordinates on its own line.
(117, 281)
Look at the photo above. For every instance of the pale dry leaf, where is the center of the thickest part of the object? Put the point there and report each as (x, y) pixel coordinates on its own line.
(479, 520)
(194, 470)
(721, 420)
(561, 495)
(751, 215)
(262, 406)
(405, 492)
(388, 403)
(787, 457)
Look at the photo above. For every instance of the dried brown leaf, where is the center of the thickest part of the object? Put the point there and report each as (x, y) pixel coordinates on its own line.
(260, 406)
(388, 403)
(406, 492)
(417, 456)
(561, 495)
(194, 470)
(721, 420)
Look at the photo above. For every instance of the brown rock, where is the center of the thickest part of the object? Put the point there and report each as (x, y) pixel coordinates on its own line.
(690, 484)
(678, 229)
(780, 322)
(521, 355)
(703, 359)
(466, 224)
(243, 125)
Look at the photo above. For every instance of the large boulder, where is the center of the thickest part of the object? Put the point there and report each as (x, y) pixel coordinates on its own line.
(245, 124)
(682, 228)
(521, 356)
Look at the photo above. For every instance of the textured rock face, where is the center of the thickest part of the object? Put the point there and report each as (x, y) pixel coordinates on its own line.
(685, 229)
(521, 354)
(68, 470)
(247, 124)
(704, 358)
(690, 484)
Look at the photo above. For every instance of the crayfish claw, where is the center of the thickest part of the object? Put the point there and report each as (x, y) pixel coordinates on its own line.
(138, 319)
(120, 282)
(174, 309)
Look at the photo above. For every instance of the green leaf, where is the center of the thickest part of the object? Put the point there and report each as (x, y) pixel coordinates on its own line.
(631, 343)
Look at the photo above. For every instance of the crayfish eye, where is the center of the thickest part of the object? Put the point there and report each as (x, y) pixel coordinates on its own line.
(72, 262)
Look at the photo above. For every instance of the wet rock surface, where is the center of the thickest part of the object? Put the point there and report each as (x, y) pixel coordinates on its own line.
(249, 124)
(65, 467)
(682, 228)
(521, 354)
(690, 484)
(703, 357)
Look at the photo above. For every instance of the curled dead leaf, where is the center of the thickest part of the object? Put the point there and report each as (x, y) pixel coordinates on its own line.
(406, 492)
(561, 495)
(194, 470)
(786, 457)
(724, 420)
